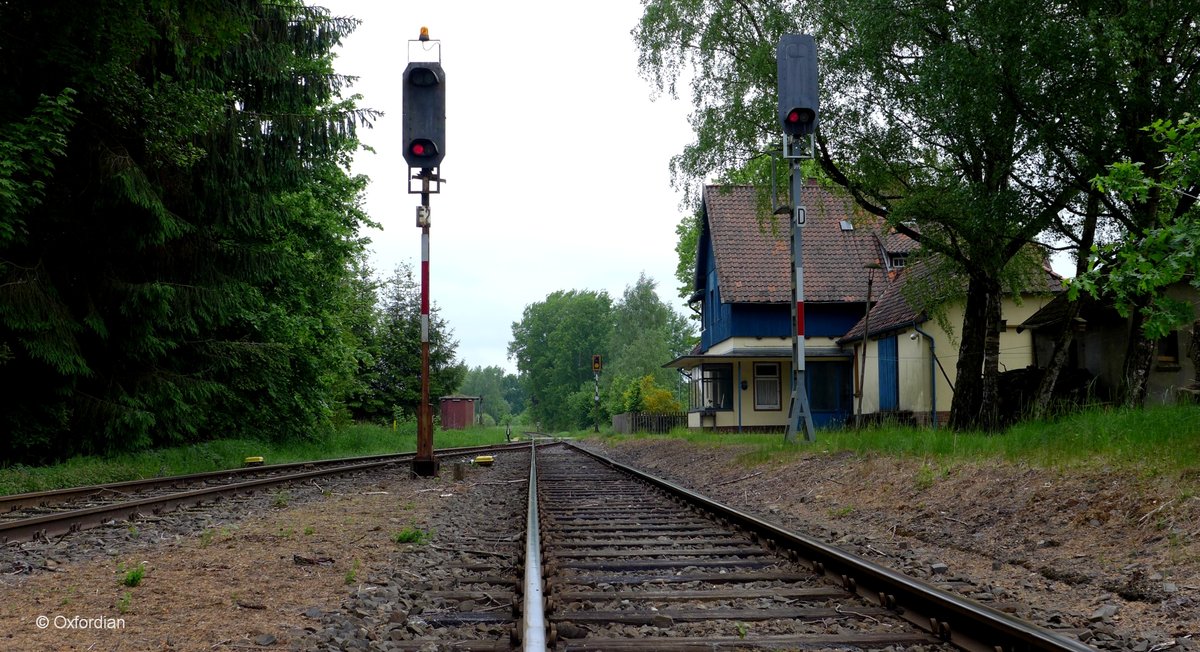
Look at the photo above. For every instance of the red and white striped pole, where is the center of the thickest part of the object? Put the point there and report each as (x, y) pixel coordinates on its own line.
(424, 464)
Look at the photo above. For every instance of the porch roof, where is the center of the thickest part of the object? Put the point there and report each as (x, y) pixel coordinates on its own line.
(693, 360)
(1054, 314)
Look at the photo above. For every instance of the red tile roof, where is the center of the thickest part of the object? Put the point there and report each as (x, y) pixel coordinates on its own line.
(754, 262)
(893, 309)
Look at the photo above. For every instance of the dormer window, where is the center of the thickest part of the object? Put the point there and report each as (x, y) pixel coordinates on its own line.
(898, 260)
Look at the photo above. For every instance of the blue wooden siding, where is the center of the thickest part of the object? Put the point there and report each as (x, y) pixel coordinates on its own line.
(760, 320)
(721, 321)
(715, 317)
(831, 319)
(889, 374)
(718, 316)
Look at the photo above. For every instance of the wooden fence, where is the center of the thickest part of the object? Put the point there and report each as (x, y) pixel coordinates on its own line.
(656, 422)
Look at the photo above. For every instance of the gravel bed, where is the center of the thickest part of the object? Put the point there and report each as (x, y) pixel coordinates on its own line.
(437, 591)
(257, 571)
(116, 538)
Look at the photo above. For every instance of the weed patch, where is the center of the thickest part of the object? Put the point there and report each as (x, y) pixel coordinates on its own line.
(133, 576)
(352, 574)
(410, 535)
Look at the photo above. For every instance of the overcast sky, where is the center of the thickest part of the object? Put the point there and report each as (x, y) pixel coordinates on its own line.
(556, 162)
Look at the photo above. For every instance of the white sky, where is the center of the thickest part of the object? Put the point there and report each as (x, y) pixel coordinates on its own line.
(593, 211)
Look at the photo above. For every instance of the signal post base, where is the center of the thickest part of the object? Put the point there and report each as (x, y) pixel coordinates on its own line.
(425, 468)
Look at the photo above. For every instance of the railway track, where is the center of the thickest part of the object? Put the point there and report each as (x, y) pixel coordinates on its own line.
(632, 562)
(616, 560)
(77, 495)
(62, 511)
(631, 567)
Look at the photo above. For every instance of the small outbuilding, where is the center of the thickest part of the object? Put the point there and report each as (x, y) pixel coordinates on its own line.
(1101, 339)
(458, 411)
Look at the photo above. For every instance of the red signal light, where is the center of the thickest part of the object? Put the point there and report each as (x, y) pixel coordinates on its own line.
(799, 121)
(422, 148)
(798, 116)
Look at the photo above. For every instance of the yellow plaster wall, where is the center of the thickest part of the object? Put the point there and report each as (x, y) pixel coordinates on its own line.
(1016, 352)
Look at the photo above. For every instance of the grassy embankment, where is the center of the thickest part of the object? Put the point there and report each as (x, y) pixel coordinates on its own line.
(1152, 442)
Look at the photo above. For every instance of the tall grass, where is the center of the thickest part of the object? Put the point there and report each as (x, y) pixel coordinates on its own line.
(1155, 440)
(351, 441)
(1152, 441)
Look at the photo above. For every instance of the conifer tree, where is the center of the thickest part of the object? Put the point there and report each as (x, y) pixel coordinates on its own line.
(177, 223)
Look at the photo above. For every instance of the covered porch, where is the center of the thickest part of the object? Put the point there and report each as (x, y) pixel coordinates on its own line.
(748, 389)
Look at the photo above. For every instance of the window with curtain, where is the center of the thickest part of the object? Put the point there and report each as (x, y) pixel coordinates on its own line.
(766, 386)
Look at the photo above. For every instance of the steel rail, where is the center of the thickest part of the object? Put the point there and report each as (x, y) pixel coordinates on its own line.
(13, 502)
(533, 616)
(959, 620)
(67, 521)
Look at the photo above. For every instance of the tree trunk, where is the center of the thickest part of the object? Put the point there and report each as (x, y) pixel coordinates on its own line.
(1194, 352)
(1058, 360)
(1139, 356)
(1062, 345)
(989, 404)
(982, 307)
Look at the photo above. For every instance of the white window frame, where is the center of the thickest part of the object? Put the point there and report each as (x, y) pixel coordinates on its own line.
(766, 383)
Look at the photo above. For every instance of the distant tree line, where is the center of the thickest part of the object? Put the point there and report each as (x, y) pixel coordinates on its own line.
(501, 397)
(555, 340)
(180, 246)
